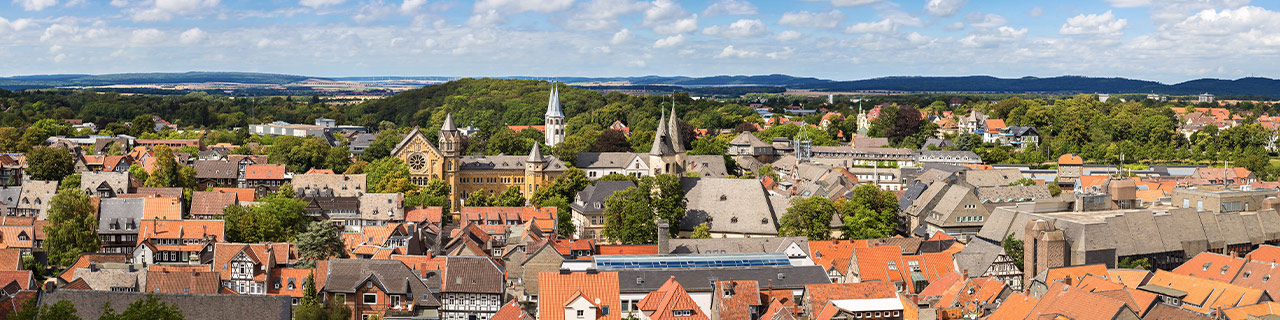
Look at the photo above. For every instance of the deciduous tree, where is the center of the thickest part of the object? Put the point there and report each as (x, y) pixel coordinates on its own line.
(72, 227)
(321, 241)
(48, 163)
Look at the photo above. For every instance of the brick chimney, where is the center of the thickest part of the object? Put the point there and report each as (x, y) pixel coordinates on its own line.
(664, 236)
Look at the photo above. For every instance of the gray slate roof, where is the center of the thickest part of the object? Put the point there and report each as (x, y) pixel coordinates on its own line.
(347, 275)
(977, 256)
(472, 275)
(710, 166)
(601, 160)
(736, 245)
(118, 182)
(120, 216)
(592, 195)
(382, 206)
(89, 304)
(216, 169)
(340, 185)
(37, 194)
(9, 197)
(729, 205)
(701, 280)
(506, 163)
(748, 139)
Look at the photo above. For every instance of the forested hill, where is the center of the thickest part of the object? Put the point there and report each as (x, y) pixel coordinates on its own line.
(1066, 84)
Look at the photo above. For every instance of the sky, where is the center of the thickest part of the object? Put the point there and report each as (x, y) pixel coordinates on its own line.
(1162, 40)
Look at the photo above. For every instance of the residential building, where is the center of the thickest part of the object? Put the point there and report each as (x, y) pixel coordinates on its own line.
(1205, 98)
(737, 300)
(587, 295)
(599, 164)
(385, 288)
(329, 185)
(641, 274)
(176, 241)
(472, 288)
(265, 178)
(118, 221)
(1237, 175)
(209, 205)
(35, 198)
(992, 131)
(956, 158)
(1201, 295)
(379, 209)
(245, 268)
(588, 207)
(818, 297)
(670, 302)
(182, 282)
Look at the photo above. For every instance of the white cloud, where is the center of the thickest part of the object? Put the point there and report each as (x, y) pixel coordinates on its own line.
(36, 5)
(620, 37)
(1001, 35)
(143, 37)
(741, 29)
(1129, 3)
(163, 10)
(411, 5)
(788, 35)
(1036, 12)
(669, 41)
(191, 36)
(882, 26)
(955, 26)
(852, 3)
(320, 3)
(15, 25)
(1105, 23)
(486, 19)
(119, 3)
(518, 6)
(985, 21)
(786, 51)
(944, 8)
(730, 7)
(806, 19)
(668, 17)
(1227, 22)
(373, 11)
(602, 14)
(730, 52)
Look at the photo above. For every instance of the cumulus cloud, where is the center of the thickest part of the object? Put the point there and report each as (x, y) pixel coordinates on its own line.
(620, 37)
(1001, 35)
(955, 26)
(1227, 22)
(730, 7)
(741, 29)
(1129, 3)
(36, 5)
(944, 8)
(320, 3)
(163, 10)
(806, 19)
(788, 35)
(191, 36)
(731, 52)
(668, 17)
(15, 25)
(602, 14)
(411, 5)
(143, 37)
(669, 41)
(1105, 23)
(488, 12)
(882, 26)
(989, 20)
(852, 3)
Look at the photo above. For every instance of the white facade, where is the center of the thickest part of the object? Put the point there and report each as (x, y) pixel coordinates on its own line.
(461, 306)
(581, 309)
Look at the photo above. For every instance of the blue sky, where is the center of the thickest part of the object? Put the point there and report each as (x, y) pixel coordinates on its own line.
(1162, 40)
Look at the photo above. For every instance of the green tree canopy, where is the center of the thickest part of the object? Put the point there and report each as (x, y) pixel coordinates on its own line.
(808, 217)
(322, 240)
(72, 227)
(276, 219)
(48, 163)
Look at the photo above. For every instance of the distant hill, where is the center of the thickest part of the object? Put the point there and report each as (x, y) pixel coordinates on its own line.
(47, 81)
(1065, 84)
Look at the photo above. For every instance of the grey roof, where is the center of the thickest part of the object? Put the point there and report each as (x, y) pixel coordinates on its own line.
(702, 279)
(116, 275)
(592, 160)
(993, 177)
(1013, 193)
(472, 275)
(382, 206)
(37, 194)
(662, 145)
(120, 216)
(448, 123)
(711, 166)
(673, 130)
(1021, 131)
(941, 143)
(482, 162)
(340, 185)
(967, 156)
(347, 275)
(748, 139)
(593, 195)
(361, 140)
(535, 155)
(866, 142)
(216, 169)
(553, 104)
(728, 205)
(88, 304)
(9, 196)
(118, 182)
(977, 256)
(736, 245)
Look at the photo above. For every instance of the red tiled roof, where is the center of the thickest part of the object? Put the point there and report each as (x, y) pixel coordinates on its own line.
(1257, 310)
(1211, 266)
(635, 249)
(511, 311)
(1015, 307)
(284, 276)
(1265, 253)
(745, 296)
(820, 294)
(504, 214)
(10, 259)
(185, 229)
(1208, 294)
(185, 282)
(25, 278)
(995, 125)
(264, 172)
(1065, 300)
(1072, 275)
(1070, 159)
(242, 194)
(211, 202)
(260, 254)
(421, 214)
(422, 264)
(320, 171)
(834, 253)
(521, 128)
(670, 297)
(164, 208)
(555, 289)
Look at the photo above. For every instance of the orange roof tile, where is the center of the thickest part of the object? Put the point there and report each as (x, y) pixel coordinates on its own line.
(320, 171)
(511, 311)
(995, 125)
(224, 253)
(883, 263)
(1257, 310)
(1093, 283)
(504, 214)
(184, 282)
(623, 249)
(187, 268)
(557, 289)
(1258, 275)
(1074, 274)
(1265, 253)
(242, 194)
(264, 172)
(10, 259)
(16, 236)
(834, 254)
(24, 278)
(1070, 159)
(1208, 294)
(164, 208)
(671, 296)
(744, 297)
(181, 229)
(1015, 307)
(286, 276)
(421, 264)
(820, 294)
(423, 214)
(1211, 266)
(1065, 300)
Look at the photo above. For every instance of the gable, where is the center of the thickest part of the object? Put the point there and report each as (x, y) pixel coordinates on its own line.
(637, 163)
(415, 142)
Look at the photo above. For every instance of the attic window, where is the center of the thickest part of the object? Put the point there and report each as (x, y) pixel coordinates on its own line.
(1247, 273)
(1266, 277)
(1224, 269)
(1206, 266)
(641, 280)
(724, 197)
(733, 220)
(893, 265)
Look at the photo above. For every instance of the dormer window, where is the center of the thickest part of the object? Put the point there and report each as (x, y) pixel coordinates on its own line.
(1224, 269)
(1206, 266)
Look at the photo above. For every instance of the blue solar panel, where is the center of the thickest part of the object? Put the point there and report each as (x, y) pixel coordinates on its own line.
(690, 261)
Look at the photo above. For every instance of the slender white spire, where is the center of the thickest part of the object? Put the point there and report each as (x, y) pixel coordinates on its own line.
(553, 104)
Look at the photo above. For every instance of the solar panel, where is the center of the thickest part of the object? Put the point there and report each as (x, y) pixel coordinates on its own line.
(690, 261)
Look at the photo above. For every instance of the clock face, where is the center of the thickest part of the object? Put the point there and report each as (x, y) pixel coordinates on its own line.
(417, 162)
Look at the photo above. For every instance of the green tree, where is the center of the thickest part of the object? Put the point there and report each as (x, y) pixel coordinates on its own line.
(48, 163)
(1013, 248)
(808, 217)
(479, 198)
(71, 181)
(309, 294)
(1131, 263)
(388, 175)
(702, 231)
(566, 186)
(1023, 182)
(628, 217)
(276, 219)
(336, 309)
(165, 173)
(381, 146)
(138, 172)
(148, 308)
(321, 241)
(564, 216)
(510, 198)
(869, 213)
(72, 227)
(611, 141)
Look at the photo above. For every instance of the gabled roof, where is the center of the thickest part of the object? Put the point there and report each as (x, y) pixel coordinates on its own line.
(1065, 300)
(557, 289)
(264, 172)
(511, 311)
(86, 259)
(820, 294)
(1257, 310)
(423, 214)
(1206, 294)
(743, 297)
(1015, 307)
(348, 275)
(242, 194)
(162, 208)
(211, 202)
(472, 275)
(670, 297)
(1211, 266)
(170, 282)
(260, 254)
(181, 229)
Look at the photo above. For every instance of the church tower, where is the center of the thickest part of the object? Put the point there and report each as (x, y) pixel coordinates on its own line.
(535, 169)
(450, 147)
(667, 154)
(553, 126)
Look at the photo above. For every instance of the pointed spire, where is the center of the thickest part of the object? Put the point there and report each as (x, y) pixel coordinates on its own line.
(448, 123)
(677, 145)
(553, 104)
(660, 139)
(535, 155)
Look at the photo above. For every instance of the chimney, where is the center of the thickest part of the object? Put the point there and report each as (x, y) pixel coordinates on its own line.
(664, 235)
(966, 273)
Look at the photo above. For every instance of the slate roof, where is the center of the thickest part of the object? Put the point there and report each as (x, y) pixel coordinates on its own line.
(115, 276)
(88, 304)
(120, 216)
(1013, 193)
(347, 275)
(710, 166)
(155, 192)
(333, 185)
(37, 194)
(602, 160)
(483, 162)
(591, 199)
(9, 197)
(382, 206)
(728, 205)
(216, 169)
(91, 258)
(472, 275)
(117, 181)
(748, 139)
(700, 279)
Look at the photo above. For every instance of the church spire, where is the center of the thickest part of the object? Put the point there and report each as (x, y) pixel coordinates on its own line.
(553, 104)
(661, 141)
(535, 155)
(448, 123)
(677, 145)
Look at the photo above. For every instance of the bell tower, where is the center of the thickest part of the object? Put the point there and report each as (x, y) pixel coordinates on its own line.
(553, 126)
(450, 145)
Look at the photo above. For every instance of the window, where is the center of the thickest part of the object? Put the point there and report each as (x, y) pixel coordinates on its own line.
(370, 298)
(581, 314)
(395, 300)
(893, 265)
